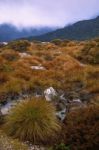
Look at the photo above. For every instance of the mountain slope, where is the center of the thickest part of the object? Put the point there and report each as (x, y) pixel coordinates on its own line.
(9, 32)
(81, 30)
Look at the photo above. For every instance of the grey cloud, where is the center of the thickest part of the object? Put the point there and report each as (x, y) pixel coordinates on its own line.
(46, 12)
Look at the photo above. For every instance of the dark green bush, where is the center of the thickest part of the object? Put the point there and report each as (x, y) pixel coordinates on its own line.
(57, 41)
(20, 46)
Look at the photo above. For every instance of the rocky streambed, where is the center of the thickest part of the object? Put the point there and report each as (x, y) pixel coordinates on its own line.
(62, 103)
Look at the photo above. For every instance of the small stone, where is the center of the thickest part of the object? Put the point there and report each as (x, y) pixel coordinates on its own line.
(37, 67)
(50, 93)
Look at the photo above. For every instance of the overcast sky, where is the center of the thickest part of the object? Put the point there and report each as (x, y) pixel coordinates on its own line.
(46, 12)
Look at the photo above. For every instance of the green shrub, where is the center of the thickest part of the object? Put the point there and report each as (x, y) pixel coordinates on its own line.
(33, 120)
(57, 42)
(20, 46)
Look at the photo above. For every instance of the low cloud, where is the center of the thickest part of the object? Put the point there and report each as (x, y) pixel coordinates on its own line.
(46, 12)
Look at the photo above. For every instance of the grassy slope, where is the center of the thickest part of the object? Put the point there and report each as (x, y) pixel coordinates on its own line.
(67, 66)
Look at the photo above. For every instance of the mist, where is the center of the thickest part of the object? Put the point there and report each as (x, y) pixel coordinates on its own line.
(51, 13)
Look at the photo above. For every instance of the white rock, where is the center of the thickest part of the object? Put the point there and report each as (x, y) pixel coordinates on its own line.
(37, 67)
(62, 97)
(61, 114)
(49, 93)
(82, 65)
(22, 55)
(77, 101)
(6, 108)
(45, 42)
(5, 43)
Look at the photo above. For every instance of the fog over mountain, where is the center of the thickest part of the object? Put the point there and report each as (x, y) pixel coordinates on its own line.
(23, 13)
(24, 18)
(10, 32)
(82, 30)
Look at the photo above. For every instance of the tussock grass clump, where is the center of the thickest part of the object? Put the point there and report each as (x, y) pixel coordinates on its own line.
(89, 53)
(15, 86)
(33, 120)
(4, 78)
(82, 133)
(10, 55)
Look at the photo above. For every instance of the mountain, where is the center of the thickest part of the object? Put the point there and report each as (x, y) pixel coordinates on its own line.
(81, 30)
(9, 32)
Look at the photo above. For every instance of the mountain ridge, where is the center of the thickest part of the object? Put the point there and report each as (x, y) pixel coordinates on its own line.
(81, 30)
(9, 32)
